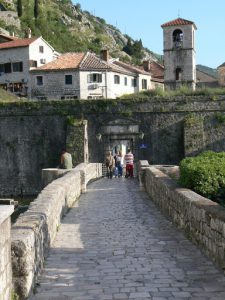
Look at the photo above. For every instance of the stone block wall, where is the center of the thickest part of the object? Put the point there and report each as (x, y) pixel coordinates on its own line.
(202, 220)
(161, 120)
(5, 252)
(77, 140)
(194, 139)
(35, 230)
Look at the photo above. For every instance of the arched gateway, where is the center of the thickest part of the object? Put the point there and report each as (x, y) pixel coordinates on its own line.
(121, 134)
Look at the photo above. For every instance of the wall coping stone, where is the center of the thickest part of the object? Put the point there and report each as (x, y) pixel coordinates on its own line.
(202, 219)
(35, 230)
(5, 212)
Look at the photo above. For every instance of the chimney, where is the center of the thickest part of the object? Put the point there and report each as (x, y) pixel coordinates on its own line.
(147, 65)
(28, 33)
(105, 55)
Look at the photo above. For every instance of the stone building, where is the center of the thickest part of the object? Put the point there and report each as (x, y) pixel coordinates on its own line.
(179, 53)
(87, 76)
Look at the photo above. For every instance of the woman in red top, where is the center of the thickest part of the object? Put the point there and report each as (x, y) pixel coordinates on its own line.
(129, 161)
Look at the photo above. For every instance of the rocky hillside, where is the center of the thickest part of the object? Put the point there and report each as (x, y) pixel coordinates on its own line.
(68, 28)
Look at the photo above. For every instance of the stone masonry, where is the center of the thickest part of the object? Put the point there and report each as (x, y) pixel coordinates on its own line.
(162, 121)
(114, 244)
(202, 219)
(5, 252)
(34, 231)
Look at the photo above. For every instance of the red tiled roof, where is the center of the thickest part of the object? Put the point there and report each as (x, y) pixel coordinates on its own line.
(91, 61)
(8, 38)
(131, 68)
(120, 69)
(18, 43)
(178, 22)
(203, 77)
(81, 61)
(157, 70)
(65, 61)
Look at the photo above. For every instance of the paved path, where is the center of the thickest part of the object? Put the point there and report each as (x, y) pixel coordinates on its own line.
(115, 244)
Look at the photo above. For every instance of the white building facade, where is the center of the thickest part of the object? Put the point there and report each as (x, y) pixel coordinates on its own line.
(18, 57)
(85, 76)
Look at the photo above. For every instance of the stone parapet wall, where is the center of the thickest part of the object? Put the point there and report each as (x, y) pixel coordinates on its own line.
(169, 128)
(35, 230)
(202, 219)
(5, 252)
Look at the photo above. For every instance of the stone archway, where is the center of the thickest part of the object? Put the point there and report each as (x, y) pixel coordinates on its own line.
(121, 134)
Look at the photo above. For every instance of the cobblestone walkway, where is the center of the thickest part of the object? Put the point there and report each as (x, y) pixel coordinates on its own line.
(115, 244)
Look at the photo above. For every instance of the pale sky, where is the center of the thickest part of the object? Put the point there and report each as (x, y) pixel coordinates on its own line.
(142, 19)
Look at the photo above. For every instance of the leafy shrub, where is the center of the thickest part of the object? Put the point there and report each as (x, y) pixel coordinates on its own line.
(205, 174)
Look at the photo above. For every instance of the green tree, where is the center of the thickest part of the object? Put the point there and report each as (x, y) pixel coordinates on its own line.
(138, 49)
(36, 9)
(129, 47)
(19, 8)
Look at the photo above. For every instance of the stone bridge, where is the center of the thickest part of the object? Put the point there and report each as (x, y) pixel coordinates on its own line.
(122, 239)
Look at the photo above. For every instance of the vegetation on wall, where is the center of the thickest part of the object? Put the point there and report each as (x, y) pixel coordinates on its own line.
(8, 97)
(205, 174)
(182, 91)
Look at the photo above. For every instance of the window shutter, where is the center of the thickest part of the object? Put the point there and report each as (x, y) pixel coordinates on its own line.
(21, 66)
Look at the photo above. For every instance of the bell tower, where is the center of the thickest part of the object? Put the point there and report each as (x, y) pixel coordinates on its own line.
(179, 53)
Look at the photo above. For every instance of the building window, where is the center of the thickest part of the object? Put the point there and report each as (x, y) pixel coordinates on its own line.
(134, 82)
(2, 68)
(144, 84)
(94, 77)
(17, 66)
(116, 79)
(68, 79)
(33, 63)
(178, 73)
(8, 68)
(125, 80)
(39, 80)
(42, 61)
(41, 49)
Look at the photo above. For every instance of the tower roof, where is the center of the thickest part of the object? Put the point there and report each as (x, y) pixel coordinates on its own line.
(178, 22)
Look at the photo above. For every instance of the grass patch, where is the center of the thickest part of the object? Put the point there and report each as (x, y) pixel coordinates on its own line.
(182, 91)
(9, 97)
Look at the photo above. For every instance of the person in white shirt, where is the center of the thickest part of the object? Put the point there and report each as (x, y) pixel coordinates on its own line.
(119, 164)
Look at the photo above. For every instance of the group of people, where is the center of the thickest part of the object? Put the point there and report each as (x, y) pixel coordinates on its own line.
(115, 164)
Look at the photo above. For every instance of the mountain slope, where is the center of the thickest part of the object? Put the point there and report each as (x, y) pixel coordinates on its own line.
(68, 28)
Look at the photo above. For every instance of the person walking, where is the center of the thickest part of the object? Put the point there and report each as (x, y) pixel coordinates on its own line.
(129, 160)
(110, 163)
(66, 160)
(119, 164)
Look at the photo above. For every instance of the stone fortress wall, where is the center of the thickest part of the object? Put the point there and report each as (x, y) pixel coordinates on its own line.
(32, 134)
